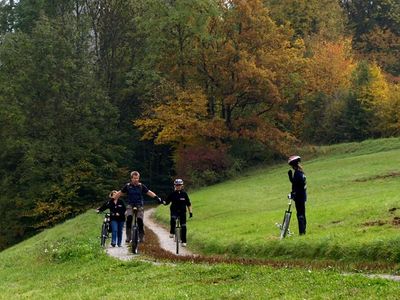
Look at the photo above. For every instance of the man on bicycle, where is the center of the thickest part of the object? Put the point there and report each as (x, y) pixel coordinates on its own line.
(180, 200)
(135, 191)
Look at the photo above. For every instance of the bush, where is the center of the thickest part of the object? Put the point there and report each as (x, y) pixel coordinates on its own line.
(202, 164)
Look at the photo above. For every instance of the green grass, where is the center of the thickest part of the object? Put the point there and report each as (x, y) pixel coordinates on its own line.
(66, 263)
(349, 190)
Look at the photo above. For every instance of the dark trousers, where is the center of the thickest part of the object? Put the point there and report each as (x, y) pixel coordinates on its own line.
(129, 220)
(182, 218)
(116, 233)
(140, 224)
(301, 216)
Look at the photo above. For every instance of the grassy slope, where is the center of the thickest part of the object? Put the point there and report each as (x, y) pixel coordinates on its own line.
(66, 263)
(347, 189)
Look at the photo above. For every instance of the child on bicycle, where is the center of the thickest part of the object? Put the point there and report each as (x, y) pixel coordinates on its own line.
(179, 200)
(117, 216)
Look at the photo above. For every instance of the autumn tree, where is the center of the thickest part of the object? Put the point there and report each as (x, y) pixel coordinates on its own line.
(235, 65)
(389, 113)
(327, 76)
(368, 91)
(247, 68)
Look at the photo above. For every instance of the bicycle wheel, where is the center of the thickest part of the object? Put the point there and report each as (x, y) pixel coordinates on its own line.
(103, 236)
(285, 224)
(177, 238)
(135, 239)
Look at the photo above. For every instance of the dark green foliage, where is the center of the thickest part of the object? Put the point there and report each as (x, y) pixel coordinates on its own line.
(57, 124)
(375, 26)
(308, 18)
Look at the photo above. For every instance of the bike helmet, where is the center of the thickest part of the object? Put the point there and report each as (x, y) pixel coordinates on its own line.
(294, 160)
(178, 181)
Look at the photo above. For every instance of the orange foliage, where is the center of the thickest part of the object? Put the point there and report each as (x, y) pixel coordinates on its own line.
(330, 68)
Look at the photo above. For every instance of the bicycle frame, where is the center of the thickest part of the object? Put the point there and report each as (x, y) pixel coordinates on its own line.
(286, 220)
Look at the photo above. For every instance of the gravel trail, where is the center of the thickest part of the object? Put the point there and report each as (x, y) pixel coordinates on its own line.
(159, 235)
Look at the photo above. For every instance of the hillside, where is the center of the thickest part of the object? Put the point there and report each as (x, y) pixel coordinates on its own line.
(352, 190)
(353, 208)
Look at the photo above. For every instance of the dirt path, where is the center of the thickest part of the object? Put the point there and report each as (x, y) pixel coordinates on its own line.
(166, 243)
(156, 237)
(158, 245)
(121, 253)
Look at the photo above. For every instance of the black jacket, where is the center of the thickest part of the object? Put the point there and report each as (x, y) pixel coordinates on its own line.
(115, 208)
(299, 185)
(180, 200)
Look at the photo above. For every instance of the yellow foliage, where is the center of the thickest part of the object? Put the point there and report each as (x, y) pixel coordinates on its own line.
(179, 119)
(377, 92)
(389, 112)
(330, 67)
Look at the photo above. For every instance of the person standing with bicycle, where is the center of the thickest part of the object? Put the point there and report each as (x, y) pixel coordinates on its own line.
(179, 200)
(299, 191)
(117, 216)
(135, 191)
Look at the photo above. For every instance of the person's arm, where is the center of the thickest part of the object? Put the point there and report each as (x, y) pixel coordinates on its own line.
(153, 195)
(169, 199)
(118, 194)
(121, 192)
(290, 174)
(189, 205)
(103, 207)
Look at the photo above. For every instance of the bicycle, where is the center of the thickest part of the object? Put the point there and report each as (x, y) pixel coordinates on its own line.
(284, 227)
(178, 231)
(105, 229)
(135, 232)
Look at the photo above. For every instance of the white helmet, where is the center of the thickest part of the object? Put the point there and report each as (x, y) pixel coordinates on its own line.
(294, 160)
(178, 181)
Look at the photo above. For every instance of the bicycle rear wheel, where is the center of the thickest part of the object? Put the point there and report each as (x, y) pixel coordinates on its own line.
(103, 236)
(177, 238)
(135, 239)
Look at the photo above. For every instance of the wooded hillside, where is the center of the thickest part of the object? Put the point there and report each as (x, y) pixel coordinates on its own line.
(92, 89)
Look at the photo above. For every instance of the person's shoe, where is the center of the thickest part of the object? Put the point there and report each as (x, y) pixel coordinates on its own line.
(171, 235)
(127, 241)
(112, 245)
(119, 246)
(183, 244)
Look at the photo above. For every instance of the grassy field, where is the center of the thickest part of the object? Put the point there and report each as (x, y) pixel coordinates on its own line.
(352, 211)
(353, 208)
(66, 263)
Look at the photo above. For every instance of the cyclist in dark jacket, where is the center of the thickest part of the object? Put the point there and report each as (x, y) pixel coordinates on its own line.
(179, 200)
(299, 191)
(117, 216)
(135, 191)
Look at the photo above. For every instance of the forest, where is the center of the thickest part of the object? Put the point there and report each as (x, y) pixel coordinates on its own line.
(201, 89)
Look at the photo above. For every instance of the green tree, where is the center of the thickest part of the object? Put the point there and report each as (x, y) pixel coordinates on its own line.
(57, 126)
(308, 18)
(376, 31)
(368, 91)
